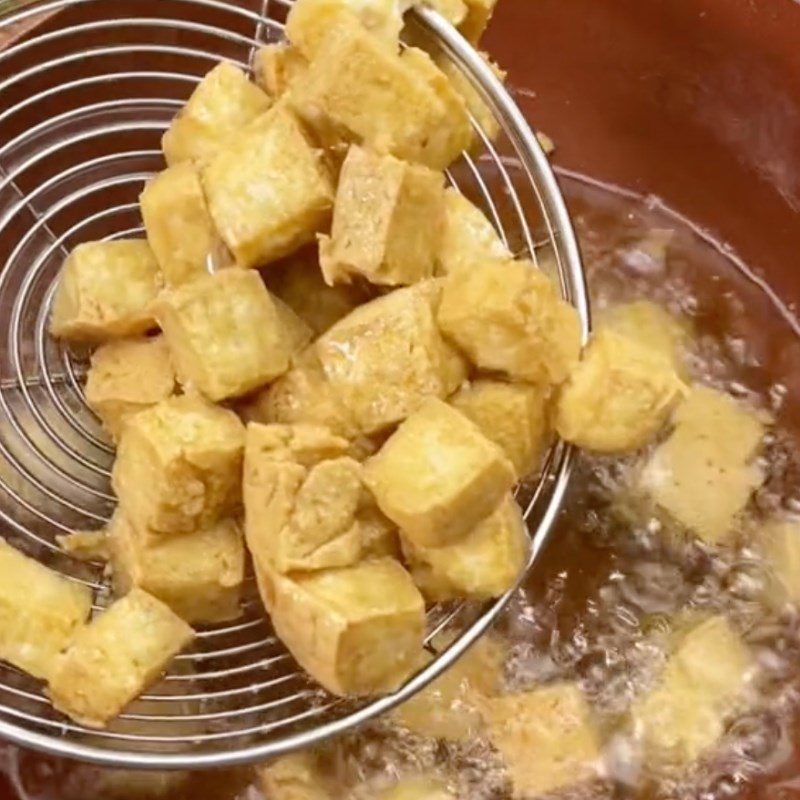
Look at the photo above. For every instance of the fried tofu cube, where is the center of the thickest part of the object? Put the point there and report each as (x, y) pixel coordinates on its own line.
(116, 657)
(508, 317)
(387, 221)
(305, 396)
(300, 516)
(418, 788)
(479, 14)
(127, 376)
(106, 290)
(702, 476)
(224, 334)
(221, 105)
(454, 132)
(89, 546)
(781, 545)
(39, 612)
(269, 190)
(297, 776)
(297, 333)
(512, 415)
(703, 683)
(299, 283)
(438, 476)
(179, 228)
(481, 566)
(387, 357)
(475, 104)
(618, 397)
(310, 22)
(467, 236)
(652, 326)
(546, 737)
(363, 92)
(277, 66)
(357, 630)
(198, 575)
(450, 708)
(179, 465)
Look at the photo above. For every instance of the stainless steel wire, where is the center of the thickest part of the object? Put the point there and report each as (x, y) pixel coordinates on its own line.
(85, 95)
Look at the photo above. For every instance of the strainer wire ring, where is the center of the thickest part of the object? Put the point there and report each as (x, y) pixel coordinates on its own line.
(551, 489)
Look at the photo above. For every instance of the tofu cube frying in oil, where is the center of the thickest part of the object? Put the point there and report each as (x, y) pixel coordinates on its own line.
(225, 333)
(387, 221)
(438, 476)
(109, 662)
(619, 396)
(388, 356)
(40, 611)
(106, 290)
(178, 466)
(199, 575)
(127, 376)
(335, 621)
(223, 102)
(269, 190)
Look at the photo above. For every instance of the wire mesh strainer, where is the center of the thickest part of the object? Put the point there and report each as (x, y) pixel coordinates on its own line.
(85, 94)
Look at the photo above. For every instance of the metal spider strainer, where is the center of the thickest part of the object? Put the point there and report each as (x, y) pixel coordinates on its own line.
(84, 98)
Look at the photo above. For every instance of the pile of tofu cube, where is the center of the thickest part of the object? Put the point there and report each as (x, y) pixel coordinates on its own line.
(323, 361)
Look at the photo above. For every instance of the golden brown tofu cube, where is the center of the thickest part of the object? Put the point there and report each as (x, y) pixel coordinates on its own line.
(418, 788)
(512, 415)
(483, 565)
(198, 575)
(179, 465)
(467, 236)
(305, 396)
(39, 612)
(298, 776)
(225, 334)
(310, 22)
(781, 546)
(546, 737)
(116, 657)
(299, 283)
(508, 317)
(269, 190)
(106, 290)
(450, 708)
(86, 545)
(387, 221)
(618, 397)
(651, 326)
(277, 66)
(300, 516)
(702, 685)
(438, 476)
(223, 102)
(179, 228)
(362, 92)
(702, 476)
(297, 333)
(127, 376)
(387, 357)
(357, 630)
(475, 104)
(453, 133)
(479, 13)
